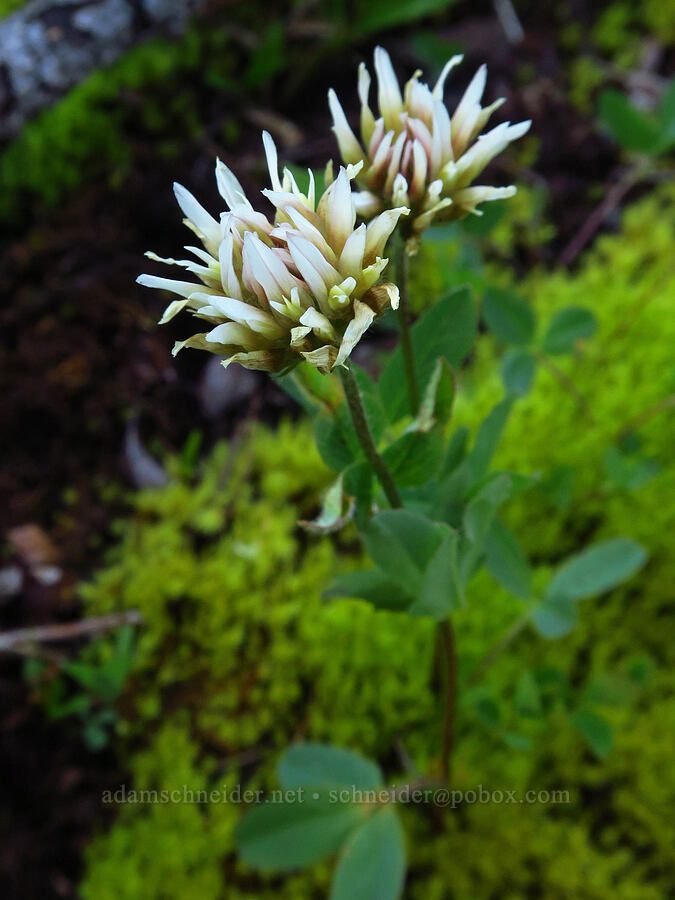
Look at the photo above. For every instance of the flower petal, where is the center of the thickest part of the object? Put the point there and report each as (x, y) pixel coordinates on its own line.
(379, 230)
(350, 149)
(229, 187)
(367, 117)
(301, 250)
(260, 360)
(198, 219)
(447, 68)
(472, 97)
(388, 91)
(320, 324)
(336, 209)
(363, 316)
(351, 258)
(366, 204)
(228, 275)
(323, 358)
(272, 160)
(233, 334)
(258, 320)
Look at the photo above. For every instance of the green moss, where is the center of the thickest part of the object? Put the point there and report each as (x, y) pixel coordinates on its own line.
(89, 134)
(164, 848)
(7, 7)
(239, 655)
(586, 76)
(222, 572)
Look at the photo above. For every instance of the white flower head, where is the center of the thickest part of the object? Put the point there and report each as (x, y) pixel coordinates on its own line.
(413, 153)
(304, 286)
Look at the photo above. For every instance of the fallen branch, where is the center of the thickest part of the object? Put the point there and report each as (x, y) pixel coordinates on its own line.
(14, 641)
(601, 212)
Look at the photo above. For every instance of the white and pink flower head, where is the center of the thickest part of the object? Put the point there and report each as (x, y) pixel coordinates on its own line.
(304, 286)
(414, 153)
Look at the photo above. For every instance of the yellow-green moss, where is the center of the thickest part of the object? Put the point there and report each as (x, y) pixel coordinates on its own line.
(7, 7)
(239, 655)
(83, 137)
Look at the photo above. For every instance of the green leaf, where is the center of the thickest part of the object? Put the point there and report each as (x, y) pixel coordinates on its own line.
(508, 316)
(289, 835)
(460, 478)
(414, 458)
(332, 444)
(268, 57)
(518, 367)
(372, 404)
(666, 118)
(629, 472)
(379, 15)
(555, 618)
(95, 737)
(630, 127)
(312, 390)
(441, 590)
(506, 561)
(333, 515)
(558, 486)
(569, 325)
(640, 669)
(527, 697)
(488, 711)
(597, 569)
(609, 690)
(596, 730)
(455, 452)
(322, 765)
(487, 439)
(401, 543)
(77, 705)
(439, 396)
(373, 586)
(480, 511)
(493, 213)
(358, 481)
(372, 864)
(447, 329)
(516, 741)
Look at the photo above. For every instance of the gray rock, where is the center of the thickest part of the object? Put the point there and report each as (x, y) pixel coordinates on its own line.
(48, 46)
(144, 469)
(222, 389)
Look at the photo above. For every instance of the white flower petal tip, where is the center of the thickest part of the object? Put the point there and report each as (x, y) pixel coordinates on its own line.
(381, 297)
(350, 149)
(437, 92)
(363, 317)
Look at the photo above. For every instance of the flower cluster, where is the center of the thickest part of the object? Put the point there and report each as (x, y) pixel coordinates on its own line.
(415, 154)
(301, 287)
(305, 285)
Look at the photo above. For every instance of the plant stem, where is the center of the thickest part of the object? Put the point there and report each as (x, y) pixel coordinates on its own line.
(365, 436)
(404, 328)
(447, 635)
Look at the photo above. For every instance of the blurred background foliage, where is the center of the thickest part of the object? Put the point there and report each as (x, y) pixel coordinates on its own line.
(238, 654)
